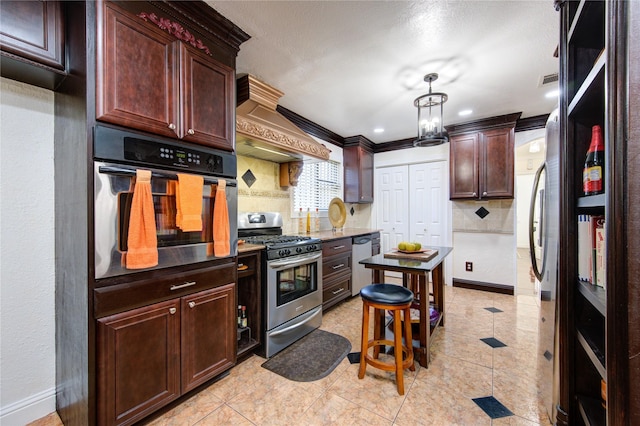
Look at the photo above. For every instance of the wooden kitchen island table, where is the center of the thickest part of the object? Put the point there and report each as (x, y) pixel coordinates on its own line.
(417, 271)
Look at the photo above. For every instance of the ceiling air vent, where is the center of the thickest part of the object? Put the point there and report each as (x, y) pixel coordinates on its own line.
(548, 79)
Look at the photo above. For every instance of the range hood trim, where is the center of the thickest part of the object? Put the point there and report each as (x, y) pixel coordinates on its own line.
(258, 121)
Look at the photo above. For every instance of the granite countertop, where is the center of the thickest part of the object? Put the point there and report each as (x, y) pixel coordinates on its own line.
(342, 233)
(323, 235)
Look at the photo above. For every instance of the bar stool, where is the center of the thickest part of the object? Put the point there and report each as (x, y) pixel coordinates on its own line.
(397, 299)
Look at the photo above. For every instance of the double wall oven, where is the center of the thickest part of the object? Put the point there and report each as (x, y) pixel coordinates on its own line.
(293, 285)
(118, 155)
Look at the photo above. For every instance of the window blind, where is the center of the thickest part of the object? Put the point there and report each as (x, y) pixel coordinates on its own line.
(318, 184)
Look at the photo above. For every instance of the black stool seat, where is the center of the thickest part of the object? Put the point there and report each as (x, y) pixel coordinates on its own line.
(387, 294)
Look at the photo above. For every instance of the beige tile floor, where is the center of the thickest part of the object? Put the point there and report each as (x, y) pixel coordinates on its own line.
(463, 367)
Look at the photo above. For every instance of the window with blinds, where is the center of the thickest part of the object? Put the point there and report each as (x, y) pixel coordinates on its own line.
(318, 184)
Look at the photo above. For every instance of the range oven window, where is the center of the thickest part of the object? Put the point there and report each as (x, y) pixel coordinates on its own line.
(165, 214)
(296, 282)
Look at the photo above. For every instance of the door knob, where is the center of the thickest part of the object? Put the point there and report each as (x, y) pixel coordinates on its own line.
(172, 126)
(191, 131)
(192, 304)
(172, 310)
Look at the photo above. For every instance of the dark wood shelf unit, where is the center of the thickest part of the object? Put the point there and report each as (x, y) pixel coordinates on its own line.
(250, 295)
(592, 414)
(595, 295)
(599, 336)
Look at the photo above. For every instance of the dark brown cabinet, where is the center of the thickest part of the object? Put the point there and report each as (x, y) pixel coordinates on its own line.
(336, 271)
(250, 296)
(481, 164)
(149, 356)
(149, 80)
(358, 171)
(32, 42)
(600, 325)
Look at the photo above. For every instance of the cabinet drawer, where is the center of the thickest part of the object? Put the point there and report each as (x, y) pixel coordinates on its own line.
(122, 297)
(336, 265)
(336, 291)
(331, 248)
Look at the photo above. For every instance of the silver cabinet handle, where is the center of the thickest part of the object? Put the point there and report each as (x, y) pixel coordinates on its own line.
(340, 290)
(338, 266)
(192, 305)
(475, 194)
(484, 193)
(338, 247)
(172, 126)
(191, 131)
(172, 311)
(179, 286)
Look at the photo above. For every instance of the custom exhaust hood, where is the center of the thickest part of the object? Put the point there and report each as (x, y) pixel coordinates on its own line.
(264, 133)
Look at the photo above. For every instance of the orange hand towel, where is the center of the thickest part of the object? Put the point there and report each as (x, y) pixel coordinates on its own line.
(221, 244)
(189, 202)
(142, 240)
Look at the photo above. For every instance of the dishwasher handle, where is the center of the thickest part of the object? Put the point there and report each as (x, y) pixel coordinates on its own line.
(362, 240)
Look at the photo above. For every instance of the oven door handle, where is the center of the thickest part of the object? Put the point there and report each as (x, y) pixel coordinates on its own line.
(127, 172)
(297, 261)
(291, 327)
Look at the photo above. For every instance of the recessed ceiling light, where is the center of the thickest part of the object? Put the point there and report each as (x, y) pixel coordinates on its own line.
(552, 94)
(378, 130)
(465, 112)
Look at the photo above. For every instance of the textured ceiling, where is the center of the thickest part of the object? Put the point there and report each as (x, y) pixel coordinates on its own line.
(352, 66)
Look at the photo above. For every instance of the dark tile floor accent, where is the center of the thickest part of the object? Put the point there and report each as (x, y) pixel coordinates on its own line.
(493, 310)
(354, 357)
(493, 342)
(492, 407)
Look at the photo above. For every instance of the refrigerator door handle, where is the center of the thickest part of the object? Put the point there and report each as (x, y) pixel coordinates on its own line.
(538, 272)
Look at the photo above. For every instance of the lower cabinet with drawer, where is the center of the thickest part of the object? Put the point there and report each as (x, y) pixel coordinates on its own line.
(336, 271)
(151, 355)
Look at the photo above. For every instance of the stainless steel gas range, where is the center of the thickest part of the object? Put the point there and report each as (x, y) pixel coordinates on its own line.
(293, 283)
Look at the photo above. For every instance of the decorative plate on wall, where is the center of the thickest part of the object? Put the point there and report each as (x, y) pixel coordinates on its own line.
(337, 213)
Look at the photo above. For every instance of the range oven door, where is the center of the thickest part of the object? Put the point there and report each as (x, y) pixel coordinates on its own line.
(294, 287)
(113, 194)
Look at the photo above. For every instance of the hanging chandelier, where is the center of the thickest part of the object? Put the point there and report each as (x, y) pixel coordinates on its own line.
(430, 116)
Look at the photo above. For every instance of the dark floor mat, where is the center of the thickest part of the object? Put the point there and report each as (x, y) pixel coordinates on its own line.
(310, 358)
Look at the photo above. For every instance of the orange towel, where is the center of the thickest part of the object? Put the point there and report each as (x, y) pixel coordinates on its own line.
(189, 202)
(221, 245)
(142, 242)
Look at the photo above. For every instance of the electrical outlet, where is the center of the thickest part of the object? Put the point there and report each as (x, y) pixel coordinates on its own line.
(468, 266)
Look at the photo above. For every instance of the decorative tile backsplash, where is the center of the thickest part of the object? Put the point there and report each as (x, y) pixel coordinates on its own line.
(495, 216)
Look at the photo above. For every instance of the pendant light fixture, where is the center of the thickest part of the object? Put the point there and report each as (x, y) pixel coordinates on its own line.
(430, 116)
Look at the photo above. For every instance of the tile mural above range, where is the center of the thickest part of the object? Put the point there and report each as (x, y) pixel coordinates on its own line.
(494, 216)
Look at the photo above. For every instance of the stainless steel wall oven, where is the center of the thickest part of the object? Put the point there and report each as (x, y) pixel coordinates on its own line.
(117, 157)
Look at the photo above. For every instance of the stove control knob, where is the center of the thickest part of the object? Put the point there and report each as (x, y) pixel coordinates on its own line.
(299, 249)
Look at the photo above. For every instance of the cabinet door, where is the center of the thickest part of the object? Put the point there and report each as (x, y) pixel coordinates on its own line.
(138, 362)
(463, 160)
(208, 100)
(208, 335)
(358, 175)
(496, 163)
(136, 73)
(33, 30)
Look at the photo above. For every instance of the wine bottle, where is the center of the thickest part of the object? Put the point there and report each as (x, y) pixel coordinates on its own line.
(300, 222)
(239, 315)
(316, 222)
(308, 221)
(244, 316)
(593, 173)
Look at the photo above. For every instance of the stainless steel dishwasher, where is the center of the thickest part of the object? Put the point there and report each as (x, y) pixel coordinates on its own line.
(361, 276)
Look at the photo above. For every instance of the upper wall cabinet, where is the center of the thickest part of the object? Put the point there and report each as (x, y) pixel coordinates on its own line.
(358, 170)
(32, 42)
(481, 159)
(154, 75)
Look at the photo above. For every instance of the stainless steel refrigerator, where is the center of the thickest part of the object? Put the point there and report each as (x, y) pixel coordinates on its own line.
(544, 229)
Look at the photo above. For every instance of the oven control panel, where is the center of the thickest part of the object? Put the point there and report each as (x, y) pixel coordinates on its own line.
(119, 146)
(167, 155)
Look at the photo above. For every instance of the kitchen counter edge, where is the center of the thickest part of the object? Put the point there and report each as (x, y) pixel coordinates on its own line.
(343, 233)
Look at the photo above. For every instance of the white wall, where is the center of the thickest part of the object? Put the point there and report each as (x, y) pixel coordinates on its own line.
(27, 275)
